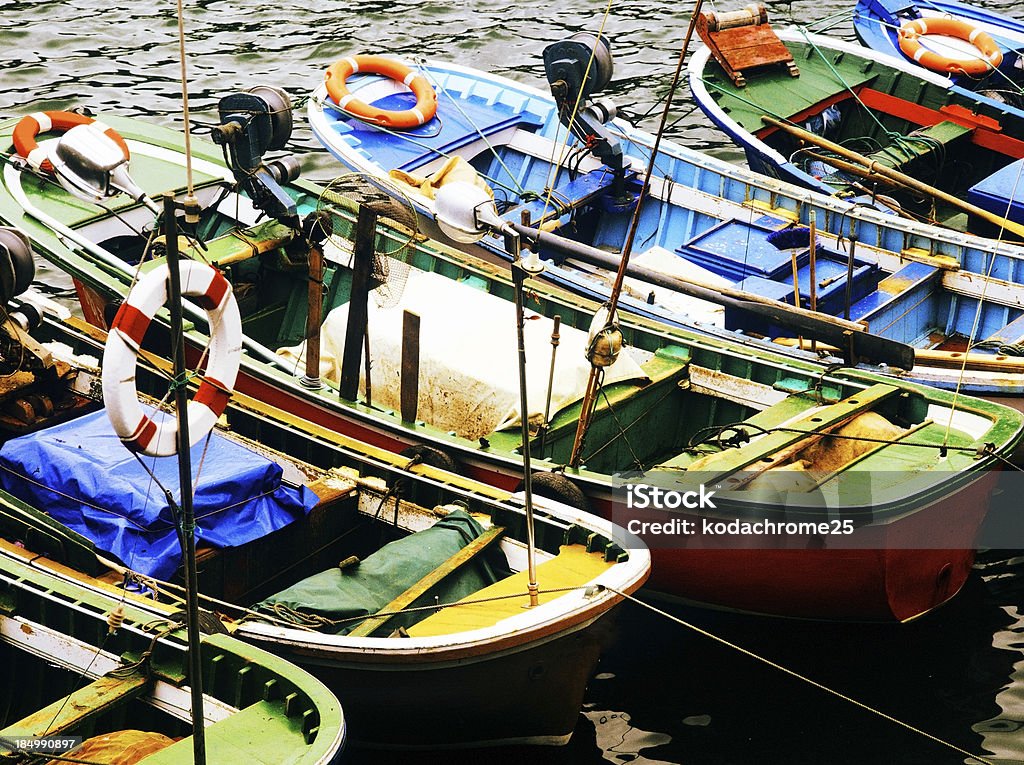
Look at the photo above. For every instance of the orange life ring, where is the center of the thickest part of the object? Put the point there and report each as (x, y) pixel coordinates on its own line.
(426, 98)
(991, 56)
(29, 127)
(133, 426)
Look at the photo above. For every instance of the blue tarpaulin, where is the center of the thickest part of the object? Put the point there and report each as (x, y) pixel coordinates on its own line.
(83, 476)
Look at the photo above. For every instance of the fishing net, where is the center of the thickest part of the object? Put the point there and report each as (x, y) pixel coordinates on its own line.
(398, 229)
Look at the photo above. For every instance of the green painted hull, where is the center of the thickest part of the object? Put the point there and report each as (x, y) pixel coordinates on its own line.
(699, 385)
(888, 110)
(257, 705)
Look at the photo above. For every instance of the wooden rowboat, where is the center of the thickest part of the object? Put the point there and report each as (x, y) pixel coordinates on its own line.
(736, 234)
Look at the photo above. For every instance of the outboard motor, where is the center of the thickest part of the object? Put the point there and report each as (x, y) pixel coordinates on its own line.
(17, 270)
(566, 66)
(93, 166)
(252, 123)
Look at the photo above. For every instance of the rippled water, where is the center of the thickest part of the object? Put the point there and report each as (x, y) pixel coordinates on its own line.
(664, 694)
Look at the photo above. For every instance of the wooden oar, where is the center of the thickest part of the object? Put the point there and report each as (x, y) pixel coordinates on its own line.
(887, 172)
(848, 335)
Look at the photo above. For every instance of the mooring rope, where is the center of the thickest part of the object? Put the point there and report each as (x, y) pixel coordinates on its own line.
(794, 674)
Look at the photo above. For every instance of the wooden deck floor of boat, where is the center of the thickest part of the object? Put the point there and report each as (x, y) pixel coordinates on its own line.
(572, 567)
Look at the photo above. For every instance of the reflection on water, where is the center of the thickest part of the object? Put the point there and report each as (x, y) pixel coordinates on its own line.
(1002, 735)
(666, 695)
(619, 741)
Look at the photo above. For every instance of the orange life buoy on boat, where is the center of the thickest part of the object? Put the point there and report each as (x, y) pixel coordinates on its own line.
(32, 125)
(426, 98)
(213, 293)
(991, 57)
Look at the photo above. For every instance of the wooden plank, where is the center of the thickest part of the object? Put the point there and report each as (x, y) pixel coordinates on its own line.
(362, 265)
(768, 450)
(80, 707)
(572, 567)
(420, 588)
(409, 393)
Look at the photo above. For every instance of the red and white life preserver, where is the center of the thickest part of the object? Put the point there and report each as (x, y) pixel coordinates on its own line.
(426, 98)
(213, 293)
(32, 125)
(990, 58)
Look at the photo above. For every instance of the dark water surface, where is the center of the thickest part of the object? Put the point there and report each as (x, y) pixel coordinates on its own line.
(665, 694)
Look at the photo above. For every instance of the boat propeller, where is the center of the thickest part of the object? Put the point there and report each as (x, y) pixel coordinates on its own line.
(252, 123)
(92, 166)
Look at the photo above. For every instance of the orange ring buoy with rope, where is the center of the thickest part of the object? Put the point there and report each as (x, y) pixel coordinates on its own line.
(32, 125)
(213, 293)
(426, 98)
(991, 57)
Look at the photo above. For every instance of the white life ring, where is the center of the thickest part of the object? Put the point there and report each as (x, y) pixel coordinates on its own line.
(213, 293)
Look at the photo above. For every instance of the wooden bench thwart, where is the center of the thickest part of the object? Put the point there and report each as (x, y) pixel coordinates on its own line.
(372, 623)
(79, 707)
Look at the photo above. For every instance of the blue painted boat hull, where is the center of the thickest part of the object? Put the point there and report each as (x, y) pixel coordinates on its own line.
(509, 133)
(876, 23)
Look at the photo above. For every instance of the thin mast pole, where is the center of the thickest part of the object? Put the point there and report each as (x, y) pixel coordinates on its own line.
(590, 399)
(519, 275)
(188, 517)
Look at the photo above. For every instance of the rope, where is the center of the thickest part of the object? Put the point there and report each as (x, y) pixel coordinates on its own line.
(984, 291)
(622, 430)
(434, 607)
(794, 674)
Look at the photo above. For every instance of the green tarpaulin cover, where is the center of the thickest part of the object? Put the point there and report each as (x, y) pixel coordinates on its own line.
(369, 586)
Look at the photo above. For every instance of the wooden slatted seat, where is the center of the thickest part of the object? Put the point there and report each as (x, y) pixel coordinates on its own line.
(79, 707)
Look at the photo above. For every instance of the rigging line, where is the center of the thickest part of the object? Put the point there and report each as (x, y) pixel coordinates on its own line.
(623, 430)
(645, 188)
(892, 134)
(184, 100)
(794, 674)
(824, 24)
(78, 682)
(434, 607)
(479, 132)
(984, 290)
(554, 164)
(884, 441)
(596, 373)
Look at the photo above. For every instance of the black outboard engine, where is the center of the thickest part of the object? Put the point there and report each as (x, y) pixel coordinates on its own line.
(252, 123)
(17, 270)
(565, 64)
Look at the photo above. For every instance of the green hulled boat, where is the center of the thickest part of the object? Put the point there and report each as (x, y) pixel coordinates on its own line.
(843, 119)
(404, 592)
(677, 405)
(85, 664)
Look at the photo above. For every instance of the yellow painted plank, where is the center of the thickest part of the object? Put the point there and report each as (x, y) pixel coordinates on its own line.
(572, 567)
(420, 588)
